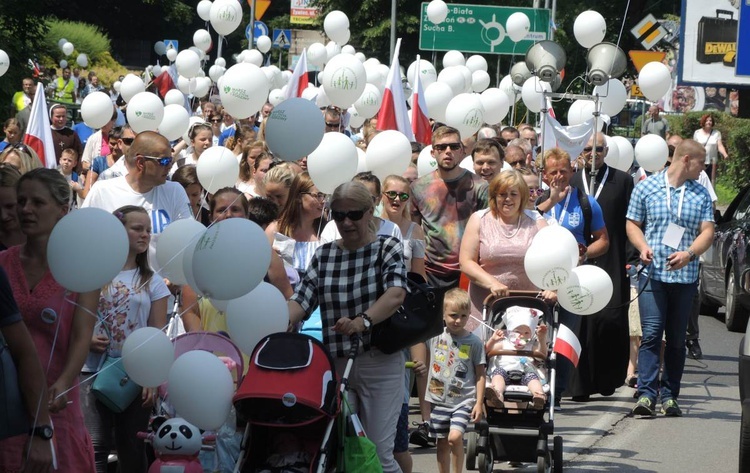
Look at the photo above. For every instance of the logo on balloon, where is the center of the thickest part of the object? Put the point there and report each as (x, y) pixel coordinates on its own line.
(208, 241)
(344, 79)
(226, 13)
(554, 278)
(278, 115)
(236, 92)
(474, 118)
(581, 298)
(369, 99)
(145, 115)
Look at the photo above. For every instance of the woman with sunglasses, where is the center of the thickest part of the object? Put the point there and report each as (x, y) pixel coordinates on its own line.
(201, 138)
(531, 178)
(215, 120)
(22, 157)
(61, 323)
(13, 135)
(495, 242)
(348, 307)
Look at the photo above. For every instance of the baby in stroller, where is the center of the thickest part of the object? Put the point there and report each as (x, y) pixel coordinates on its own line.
(511, 355)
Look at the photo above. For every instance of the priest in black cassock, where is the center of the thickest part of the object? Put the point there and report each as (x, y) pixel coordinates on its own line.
(604, 335)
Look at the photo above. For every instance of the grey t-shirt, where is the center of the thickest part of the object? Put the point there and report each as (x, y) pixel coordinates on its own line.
(655, 127)
(452, 377)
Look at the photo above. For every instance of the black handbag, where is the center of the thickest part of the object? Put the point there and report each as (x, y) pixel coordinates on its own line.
(14, 417)
(419, 318)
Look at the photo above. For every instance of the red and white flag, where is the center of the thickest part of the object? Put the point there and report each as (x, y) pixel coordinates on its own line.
(38, 132)
(420, 124)
(567, 344)
(393, 114)
(298, 82)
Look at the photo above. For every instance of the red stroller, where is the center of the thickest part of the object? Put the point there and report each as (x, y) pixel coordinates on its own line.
(290, 399)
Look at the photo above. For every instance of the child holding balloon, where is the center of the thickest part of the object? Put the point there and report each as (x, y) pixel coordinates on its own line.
(134, 299)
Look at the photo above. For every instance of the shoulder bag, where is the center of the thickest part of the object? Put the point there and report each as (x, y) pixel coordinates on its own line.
(112, 385)
(14, 417)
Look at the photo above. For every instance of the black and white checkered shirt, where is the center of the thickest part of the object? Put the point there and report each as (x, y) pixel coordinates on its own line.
(347, 282)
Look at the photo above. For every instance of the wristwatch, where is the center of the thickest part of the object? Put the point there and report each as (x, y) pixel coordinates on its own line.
(42, 431)
(366, 320)
(692, 254)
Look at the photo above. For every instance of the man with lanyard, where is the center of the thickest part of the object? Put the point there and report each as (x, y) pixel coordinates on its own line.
(679, 227)
(65, 87)
(604, 337)
(562, 206)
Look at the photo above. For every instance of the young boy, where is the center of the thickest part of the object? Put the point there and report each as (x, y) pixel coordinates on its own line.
(68, 162)
(455, 383)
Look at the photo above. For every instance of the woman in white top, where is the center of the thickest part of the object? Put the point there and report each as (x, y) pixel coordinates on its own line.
(711, 140)
(201, 138)
(396, 194)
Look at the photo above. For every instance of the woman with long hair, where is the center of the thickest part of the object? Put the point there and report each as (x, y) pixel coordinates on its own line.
(278, 183)
(135, 298)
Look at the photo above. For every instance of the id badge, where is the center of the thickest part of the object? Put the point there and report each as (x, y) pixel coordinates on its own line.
(673, 236)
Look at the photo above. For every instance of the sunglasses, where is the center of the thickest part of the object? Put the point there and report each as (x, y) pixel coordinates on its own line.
(215, 120)
(393, 195)
(444, 146)
(354, 215)
(127, 141)
(599, 149)
(333, 125)
(517, 163)
(536, 192)
(21, 147)
(317, 195)
(163, 161)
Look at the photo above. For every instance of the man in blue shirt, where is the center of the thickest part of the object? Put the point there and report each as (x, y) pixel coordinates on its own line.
(670, 223)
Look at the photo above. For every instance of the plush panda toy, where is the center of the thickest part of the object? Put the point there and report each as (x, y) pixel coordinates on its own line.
(177, 444)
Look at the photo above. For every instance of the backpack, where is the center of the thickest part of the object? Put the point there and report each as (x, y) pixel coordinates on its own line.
(583, 201)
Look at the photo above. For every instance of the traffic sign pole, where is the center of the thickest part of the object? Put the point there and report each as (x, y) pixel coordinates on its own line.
(252, 22)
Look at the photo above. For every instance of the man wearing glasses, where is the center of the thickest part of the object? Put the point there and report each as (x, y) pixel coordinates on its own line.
(605, 336)
(148, 161)
(443, 201)
(515, 157)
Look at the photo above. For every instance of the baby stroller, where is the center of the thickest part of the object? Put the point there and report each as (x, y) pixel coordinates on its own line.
(518, 433)
(290, 399)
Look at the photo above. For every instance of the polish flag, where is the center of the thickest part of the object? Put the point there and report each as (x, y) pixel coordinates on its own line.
(298, 82)
(420, 124)
(38, 132)
(393, 114)
(567, 344)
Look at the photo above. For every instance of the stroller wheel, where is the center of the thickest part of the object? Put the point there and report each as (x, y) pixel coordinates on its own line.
(542, 463)
(485, 460)
(471, 450)
(557, 455)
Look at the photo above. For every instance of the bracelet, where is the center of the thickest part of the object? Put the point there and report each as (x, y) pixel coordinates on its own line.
(692, 254)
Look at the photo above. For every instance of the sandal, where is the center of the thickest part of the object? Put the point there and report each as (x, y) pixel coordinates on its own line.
(538, 401)
(493, 398)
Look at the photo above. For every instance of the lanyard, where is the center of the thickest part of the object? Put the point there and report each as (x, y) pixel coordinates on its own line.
(669, 198)
(565, 208)
(601, 184)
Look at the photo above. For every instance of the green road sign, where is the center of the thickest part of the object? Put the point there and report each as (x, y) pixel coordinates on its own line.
(481, 29)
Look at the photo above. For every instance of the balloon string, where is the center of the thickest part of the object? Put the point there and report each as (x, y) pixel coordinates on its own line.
(622, 26)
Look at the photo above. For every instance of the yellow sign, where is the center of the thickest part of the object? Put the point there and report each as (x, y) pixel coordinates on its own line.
(635, 91)
(301, 13)
(649, 31)
(260, 7)
(641, 58)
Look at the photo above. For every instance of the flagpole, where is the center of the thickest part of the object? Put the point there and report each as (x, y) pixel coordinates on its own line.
(393, 28)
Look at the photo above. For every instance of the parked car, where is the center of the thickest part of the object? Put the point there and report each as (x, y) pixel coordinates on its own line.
(744, 372)
(725, 272)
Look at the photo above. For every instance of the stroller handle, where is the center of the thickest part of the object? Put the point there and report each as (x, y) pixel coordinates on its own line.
(513, 293)
(536, 354)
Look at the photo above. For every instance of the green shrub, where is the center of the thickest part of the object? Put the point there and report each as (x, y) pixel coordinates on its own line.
(87, 39)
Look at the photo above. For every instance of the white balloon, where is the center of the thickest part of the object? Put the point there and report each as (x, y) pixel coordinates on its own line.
(613, 153)
(580, 111)
(437, 96)
(437, 11)
(556, 236)
(68, 48)
(333, 162)
(175, 122)
(231, 258)
(531, 93)
(317, 55)
(202, 39)
(332, 50)
(174, 97)
(361, 160)
(589, 28)
(480, 80)
(254, 316)
(388, 153)
(348, 49)
(243, 90)
(82, 60)
(203, 84)
(254, 57)
(275, 97)
(145, 112)
(215, 72)
(496, 105)
(465, 113)
(517, 26)
(510, 89)
(171, 247)
(204, 10)
(171, 54)
(160, 48)
(612, 96)
(361, 56)
(220, 61)
(263, 43)
(587, 291)
(116, 85)
(345, 80)
(147, 356)
(72, 237)
(476, 63)
(625, 151)
(427, 73)
(130, 86)
(654, 80)
(63, 63)
(375, 75)
(454, 77)
(97, 109)
(225, 16)
(651, 152)
(310, 93)
(336, 26)
(157, 70)
(547, 267)
(322, 100)
(425, 162)
(343, 40)
(368, 104)
(201, 388)
(60, 42)
(188, 63)
(453, 58)
(217, 168)
(297, 117)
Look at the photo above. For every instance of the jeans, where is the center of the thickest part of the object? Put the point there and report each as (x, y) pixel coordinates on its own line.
(665, 310)
(563, 366)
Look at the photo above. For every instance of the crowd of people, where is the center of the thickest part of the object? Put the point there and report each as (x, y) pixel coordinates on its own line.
(342, 260)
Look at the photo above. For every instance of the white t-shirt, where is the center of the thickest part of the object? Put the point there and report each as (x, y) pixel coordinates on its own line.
(706, 182)
(387, 228)
(165, 204)
(116, 170)
(710, 142)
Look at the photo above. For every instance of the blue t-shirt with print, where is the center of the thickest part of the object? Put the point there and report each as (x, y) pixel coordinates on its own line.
(573, 218)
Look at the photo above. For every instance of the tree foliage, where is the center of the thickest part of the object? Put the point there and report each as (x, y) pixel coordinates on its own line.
(86, 38)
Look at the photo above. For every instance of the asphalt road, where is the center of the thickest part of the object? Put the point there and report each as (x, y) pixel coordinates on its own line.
(599, 436)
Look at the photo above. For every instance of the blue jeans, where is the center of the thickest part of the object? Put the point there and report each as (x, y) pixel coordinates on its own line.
(665, 310)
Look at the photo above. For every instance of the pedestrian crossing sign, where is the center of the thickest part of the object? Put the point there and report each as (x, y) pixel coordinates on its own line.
(171, 44)
(282, 39)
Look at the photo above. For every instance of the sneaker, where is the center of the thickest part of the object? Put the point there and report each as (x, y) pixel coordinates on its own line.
(694, 349)
(632, 381)
(671, 409)
(421, 435)
(644, 407)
